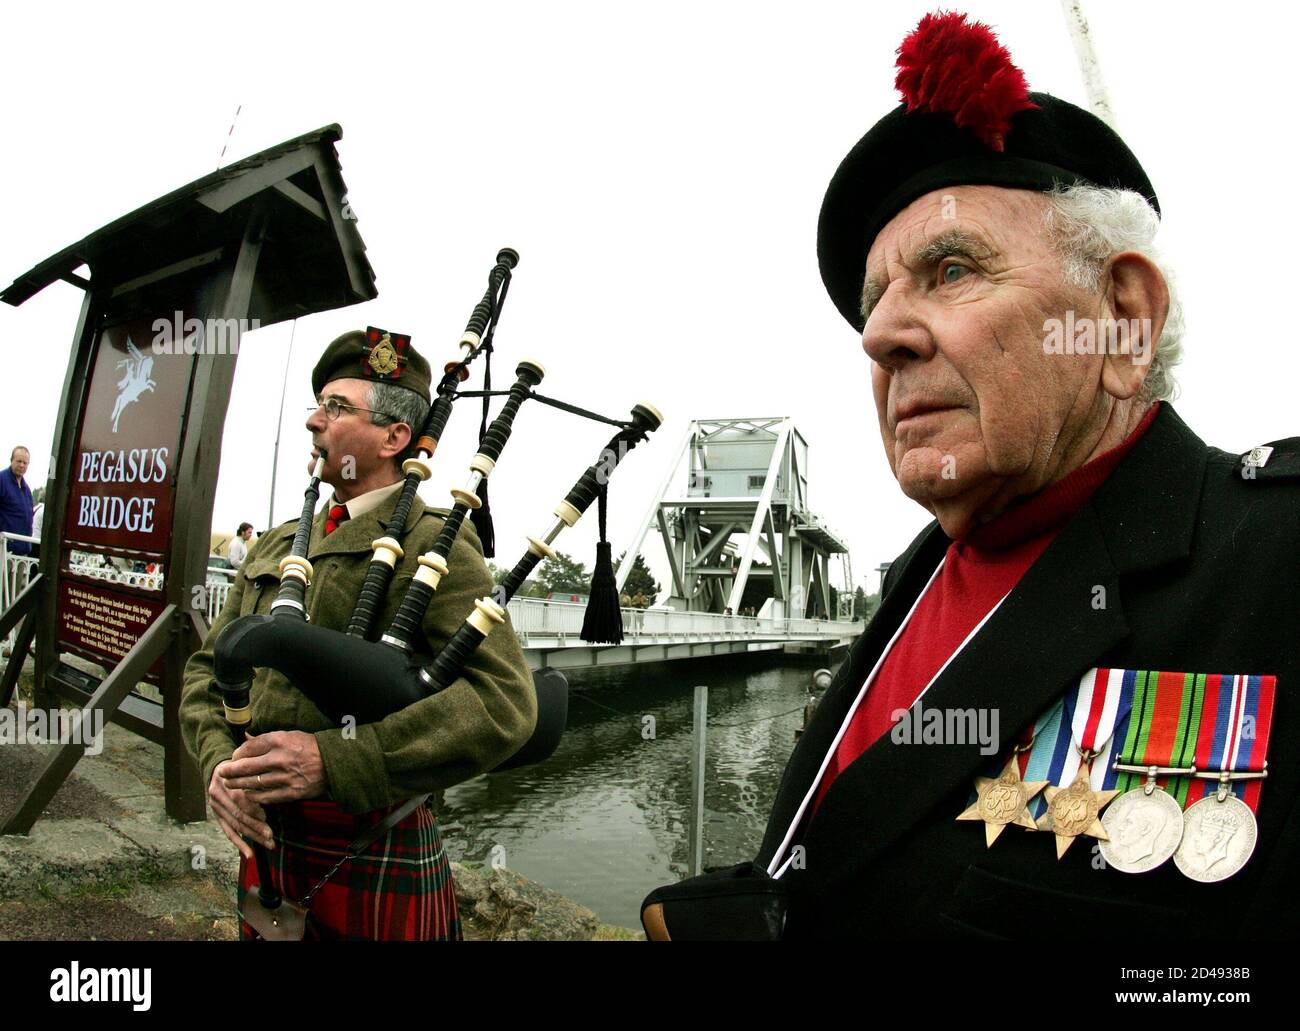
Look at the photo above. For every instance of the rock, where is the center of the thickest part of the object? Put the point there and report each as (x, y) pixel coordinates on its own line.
(501, 905)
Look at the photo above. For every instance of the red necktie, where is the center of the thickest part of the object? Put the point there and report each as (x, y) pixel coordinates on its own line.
(338, 515)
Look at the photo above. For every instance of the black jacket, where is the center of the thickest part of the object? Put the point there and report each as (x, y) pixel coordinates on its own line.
(1201, 566)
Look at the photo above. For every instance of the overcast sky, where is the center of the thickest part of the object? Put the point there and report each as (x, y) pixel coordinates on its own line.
(660, 169)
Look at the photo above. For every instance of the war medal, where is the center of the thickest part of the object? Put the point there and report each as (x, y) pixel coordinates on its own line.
(1145, 824)
(1143, 827)
(1075, 811)
(1218, 839)
(1004, 800)
(1220, 829)
(1093, 710)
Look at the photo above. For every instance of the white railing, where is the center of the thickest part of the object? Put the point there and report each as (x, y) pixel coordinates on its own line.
(536, 617)
(531, 617)
(217, 589)
(16, 572)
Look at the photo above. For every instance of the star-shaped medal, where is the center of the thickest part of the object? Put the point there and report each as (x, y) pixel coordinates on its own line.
(1003, 800)
(1075, 810)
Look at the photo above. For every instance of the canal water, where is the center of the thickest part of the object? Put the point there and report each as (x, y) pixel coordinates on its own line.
(606, 818)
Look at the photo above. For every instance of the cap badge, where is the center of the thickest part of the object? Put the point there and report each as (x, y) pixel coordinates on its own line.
(383, 357)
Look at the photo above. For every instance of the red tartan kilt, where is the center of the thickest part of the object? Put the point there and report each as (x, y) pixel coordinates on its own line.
(400, 889)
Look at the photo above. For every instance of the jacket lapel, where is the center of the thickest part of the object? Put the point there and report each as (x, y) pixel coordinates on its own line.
(1053, 627)
(1014, 668)
(914, 569)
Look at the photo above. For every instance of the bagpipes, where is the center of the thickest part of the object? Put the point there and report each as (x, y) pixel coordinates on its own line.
(354, 674)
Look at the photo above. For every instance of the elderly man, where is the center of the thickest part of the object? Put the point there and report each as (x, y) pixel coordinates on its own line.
(16, 500)
(1099, 588)
(305, 787)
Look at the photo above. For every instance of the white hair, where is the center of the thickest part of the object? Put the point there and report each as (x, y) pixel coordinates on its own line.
(1090, 223)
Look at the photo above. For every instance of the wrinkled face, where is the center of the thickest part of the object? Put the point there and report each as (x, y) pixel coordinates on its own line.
(351, 442)
(18, 463)
(959, 285)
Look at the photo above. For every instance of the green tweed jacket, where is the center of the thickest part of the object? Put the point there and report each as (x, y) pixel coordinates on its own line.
(476, 723)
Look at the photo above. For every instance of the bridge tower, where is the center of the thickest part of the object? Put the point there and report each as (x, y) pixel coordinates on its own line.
(733, 509)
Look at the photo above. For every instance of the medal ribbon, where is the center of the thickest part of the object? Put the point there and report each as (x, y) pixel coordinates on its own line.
(1167, 710)
(1237, 716)
(1099, 709)
(1096, 706)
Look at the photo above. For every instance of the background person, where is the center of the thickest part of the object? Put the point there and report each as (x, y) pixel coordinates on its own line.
(238, 550)
(16, 500)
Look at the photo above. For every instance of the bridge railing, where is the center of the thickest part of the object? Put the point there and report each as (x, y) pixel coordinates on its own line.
(16, 572)
(537, 617)
(531, 617)
(217, 589)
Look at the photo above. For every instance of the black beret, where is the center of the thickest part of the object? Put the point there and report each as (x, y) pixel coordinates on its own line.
(375, 354)
(919, 147)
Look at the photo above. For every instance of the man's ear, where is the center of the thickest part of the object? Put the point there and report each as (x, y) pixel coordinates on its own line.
(1138, 298)
(396, 440)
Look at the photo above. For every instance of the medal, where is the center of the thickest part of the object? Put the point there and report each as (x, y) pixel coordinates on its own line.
(1218, 838)
(1092, 711)
(1075, 811)
(1003, 800)
(1175, 735)
(1145, 824)
(1143, 828)
(1220, 829)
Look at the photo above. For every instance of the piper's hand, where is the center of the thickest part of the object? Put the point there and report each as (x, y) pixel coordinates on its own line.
(237, 814)
(279, 766)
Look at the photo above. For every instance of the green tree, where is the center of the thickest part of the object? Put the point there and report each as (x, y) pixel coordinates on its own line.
(639, 580)
(864, 604)
(563, 575)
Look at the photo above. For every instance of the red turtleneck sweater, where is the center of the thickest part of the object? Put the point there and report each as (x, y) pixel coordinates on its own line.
(977, 573)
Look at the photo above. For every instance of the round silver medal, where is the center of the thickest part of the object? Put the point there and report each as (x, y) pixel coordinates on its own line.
(1144, 830)
(1218, 838)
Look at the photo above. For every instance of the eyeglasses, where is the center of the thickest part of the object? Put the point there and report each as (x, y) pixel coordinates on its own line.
(334, 408)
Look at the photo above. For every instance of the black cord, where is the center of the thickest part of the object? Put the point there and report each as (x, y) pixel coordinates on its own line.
(760, 719)
(622, 424)
(583, 698)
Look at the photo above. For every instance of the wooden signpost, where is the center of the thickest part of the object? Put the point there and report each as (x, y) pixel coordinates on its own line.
(171, 289)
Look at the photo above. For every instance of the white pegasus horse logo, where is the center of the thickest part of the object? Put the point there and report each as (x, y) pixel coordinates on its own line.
(135, 382)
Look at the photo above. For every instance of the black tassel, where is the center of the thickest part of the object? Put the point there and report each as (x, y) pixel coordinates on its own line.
(481, 517)
(603, 621)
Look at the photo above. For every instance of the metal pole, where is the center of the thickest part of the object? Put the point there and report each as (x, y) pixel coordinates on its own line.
(275, 457)
(1089, 68)
(699, 746)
